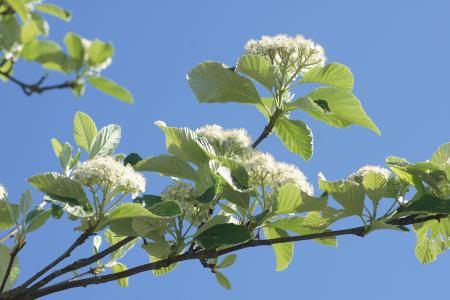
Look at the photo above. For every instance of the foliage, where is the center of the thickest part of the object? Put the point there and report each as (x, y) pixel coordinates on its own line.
(224, 194)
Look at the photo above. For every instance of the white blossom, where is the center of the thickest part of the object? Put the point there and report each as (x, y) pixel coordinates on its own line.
(227, 142)
(3, 192)
(183, 193)
(286, 173)
(264, 169)
(290, 56)
(361, 172)
(107, 171)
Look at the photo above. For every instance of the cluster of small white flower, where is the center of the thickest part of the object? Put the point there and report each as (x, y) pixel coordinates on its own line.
(227, 142)
(3, 192)
(289, 55)
(107, 171)
(183, 193)
(263, 168)
(358, 176)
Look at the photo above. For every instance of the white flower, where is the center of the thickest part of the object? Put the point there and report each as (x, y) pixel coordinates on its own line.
(183, 193)
(229, 143)
(106, 171)
(289, 55)
(3, 192)
(259, 166)
(358, 176)
(286, 173)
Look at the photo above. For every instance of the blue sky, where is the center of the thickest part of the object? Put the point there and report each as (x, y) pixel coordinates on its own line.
(398, 52)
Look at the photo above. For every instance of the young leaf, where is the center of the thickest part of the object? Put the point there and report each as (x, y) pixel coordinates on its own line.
(84, 130)
(36, 219)
(75, 48)
(106, 141)
(213, 82)
(432, 239)
(118, 267)
(54, 10)
(283, 251)
(20, 9)
(296, 136)
(6, 221)
(227, 261)
(333, 74)
(111, 88)
(222, 280)
(99, 52)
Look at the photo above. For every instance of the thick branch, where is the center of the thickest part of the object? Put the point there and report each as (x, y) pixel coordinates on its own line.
(79, 241)
(10, 264)
(206, 254)
(268, 128)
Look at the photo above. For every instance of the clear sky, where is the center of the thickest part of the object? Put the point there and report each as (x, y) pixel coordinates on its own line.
(398, 52)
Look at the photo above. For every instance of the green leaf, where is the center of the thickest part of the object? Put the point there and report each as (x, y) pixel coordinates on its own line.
(167, 165)
(54, 10)
(166, 209)
(333, 74)
(130, 211)
(47, 53)
(159, 249)
(348, 193)
(84, 130)
(36, 219)
(213, 82)
(9, 32)
(283, 251)
(375, 185)
(219, 219)
(148, 200)
(99, 52)
(111, 88)
(182, 142)
(20, 8)
(106, 141)
(433, 237)
(227, 261)
(118, 267)
(337, 107)
(441, 155)
(222, 280)
(427, 204)
(223, 234)
(75, 48)
(4, 261)
(25, 203)
(63, 188)
(258, 68)
(164, 270)
(113, 239)
(34, 27)
(296, 136)
(57, 147)
(132, 159)
(5, 218)
(290, 199)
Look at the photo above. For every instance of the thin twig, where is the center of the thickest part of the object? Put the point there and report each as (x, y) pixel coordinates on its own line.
(10, 264)
(37, 88)
(79, 241)
(207, 254)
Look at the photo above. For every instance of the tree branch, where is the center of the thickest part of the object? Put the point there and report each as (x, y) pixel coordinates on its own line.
(79, 241)
(37, 88)
(268, 128)
(10, 264)
(81, 263)
(207, 254)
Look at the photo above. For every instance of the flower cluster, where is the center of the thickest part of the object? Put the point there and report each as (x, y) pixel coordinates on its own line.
(3, 192)
(290, 56)
(106, 171)
(264, 169)
(183, 193)
(358, 176)
(227, 142)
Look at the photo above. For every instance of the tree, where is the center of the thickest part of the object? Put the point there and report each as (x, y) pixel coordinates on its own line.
(226, 194)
